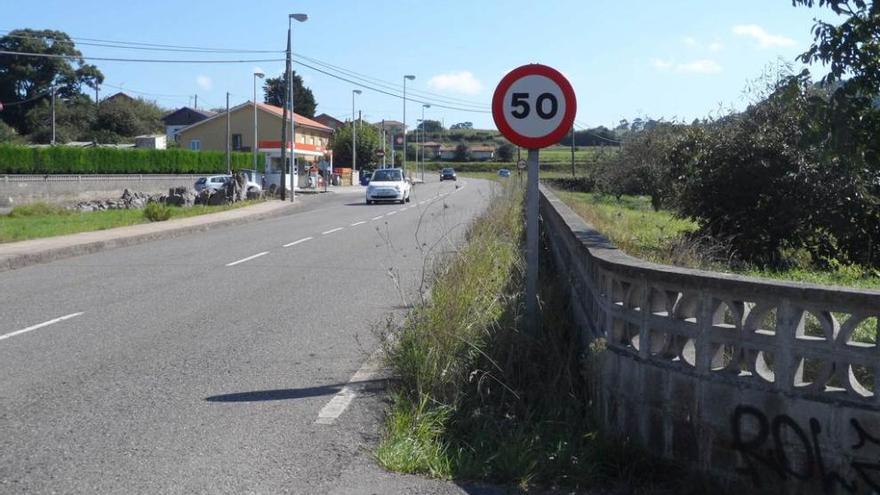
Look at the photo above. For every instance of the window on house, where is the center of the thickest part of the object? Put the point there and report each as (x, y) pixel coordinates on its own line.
(195, 144)
(236, 142)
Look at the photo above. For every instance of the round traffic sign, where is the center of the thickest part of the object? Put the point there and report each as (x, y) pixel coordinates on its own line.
(521, 164)
(534, 106)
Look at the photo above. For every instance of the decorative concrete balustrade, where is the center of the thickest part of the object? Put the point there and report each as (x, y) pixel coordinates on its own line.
(765, 384)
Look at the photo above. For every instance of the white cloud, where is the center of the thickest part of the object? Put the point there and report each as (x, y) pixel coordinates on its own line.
(702, 66)
(689, 41)
(764, 39)
(661, 64)
(205, 82)
(459, 82)
(715, 46)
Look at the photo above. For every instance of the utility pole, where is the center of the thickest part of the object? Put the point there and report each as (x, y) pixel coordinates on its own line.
(405, 78)
(196, 104)
(354, 131)
(228, 147)
(53, 115)
(284, 124)
(383, 144)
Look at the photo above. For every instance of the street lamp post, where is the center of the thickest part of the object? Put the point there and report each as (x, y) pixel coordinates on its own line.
(256, 75)
(424, 106)
(290, 19)
(353, 132)
(405, 78)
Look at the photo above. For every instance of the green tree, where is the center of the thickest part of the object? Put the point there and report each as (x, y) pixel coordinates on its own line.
(368, 142)
(74, 118)
(128, 118)
(462, 125)
(303, 100)
(462, 153)
(28, 80)
(851, 48)
(504, 152)
(430, 126)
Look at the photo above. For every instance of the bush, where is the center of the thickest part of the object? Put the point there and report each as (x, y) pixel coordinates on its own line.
(156, 212)
(67, 160)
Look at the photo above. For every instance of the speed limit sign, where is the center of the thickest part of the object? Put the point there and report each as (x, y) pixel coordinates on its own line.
(534, 106)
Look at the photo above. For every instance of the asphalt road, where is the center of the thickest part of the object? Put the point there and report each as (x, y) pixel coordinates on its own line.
(206, 363)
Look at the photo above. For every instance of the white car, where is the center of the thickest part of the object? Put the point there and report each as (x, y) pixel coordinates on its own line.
(389, 184)
(215, 182)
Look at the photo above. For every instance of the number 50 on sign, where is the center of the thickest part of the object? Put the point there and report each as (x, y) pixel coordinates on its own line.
(534, 106)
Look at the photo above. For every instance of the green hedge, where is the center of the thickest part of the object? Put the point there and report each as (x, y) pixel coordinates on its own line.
(67, 160)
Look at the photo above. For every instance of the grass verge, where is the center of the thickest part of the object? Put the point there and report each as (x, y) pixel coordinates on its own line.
(476, 399)
(40, 220)
(659, 236)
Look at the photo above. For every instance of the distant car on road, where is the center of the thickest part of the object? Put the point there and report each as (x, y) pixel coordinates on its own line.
(503, 172)
(389, 184)
(365, 177)
(447, 174)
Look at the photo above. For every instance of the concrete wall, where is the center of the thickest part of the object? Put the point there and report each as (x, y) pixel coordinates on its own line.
(23, 189)
(768, 385)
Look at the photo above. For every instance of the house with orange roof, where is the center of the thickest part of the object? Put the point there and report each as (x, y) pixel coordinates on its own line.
(311, 141)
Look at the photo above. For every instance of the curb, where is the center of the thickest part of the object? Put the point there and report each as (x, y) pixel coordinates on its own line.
(15, 261)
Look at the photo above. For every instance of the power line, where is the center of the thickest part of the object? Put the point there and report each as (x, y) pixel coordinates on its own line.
(145, 93)
(139, 60)
(395, 87)
(182, 48)
(141, 45)
(378, 90)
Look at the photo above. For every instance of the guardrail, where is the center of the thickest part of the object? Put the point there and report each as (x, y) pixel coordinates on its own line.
(759, 381)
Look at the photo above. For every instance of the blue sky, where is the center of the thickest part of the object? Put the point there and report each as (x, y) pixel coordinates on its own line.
(673, 59)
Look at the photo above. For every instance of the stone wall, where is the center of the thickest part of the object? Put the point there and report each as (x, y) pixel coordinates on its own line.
(768, 385)
(23, 189)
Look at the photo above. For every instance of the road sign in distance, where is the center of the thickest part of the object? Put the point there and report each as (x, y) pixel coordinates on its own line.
(534, 106)
(521, 164)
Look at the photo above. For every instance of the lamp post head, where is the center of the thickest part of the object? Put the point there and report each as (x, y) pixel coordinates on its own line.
(259, 74)
(299, 17)
(356, 91)
(410, 77)
(426, 105)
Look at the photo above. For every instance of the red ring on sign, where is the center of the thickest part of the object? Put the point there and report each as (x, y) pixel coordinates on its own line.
(567, 119)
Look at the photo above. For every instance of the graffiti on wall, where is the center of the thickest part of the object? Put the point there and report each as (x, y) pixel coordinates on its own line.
(778, 440)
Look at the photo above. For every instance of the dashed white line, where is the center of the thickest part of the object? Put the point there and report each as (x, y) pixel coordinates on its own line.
(40, 325)
(357, 223)
(294, 243)
(340, 402)
(337, 229)
(248, 258)
(390, 213)
(377, 218)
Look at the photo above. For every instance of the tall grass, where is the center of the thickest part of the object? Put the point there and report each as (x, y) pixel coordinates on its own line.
(477, 399)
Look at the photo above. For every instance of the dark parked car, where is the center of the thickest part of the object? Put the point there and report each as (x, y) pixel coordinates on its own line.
(365, 177)
(447, 174)
(503, 172)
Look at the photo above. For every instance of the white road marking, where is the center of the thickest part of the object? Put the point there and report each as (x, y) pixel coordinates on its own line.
(377, 218)
(340, 402)
(41, 325)
(294, 243)
(390, 213)
(248, 258)
(337, 229)
(357, 223)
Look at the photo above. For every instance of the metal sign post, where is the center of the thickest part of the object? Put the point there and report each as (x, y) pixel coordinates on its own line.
(533, 107)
